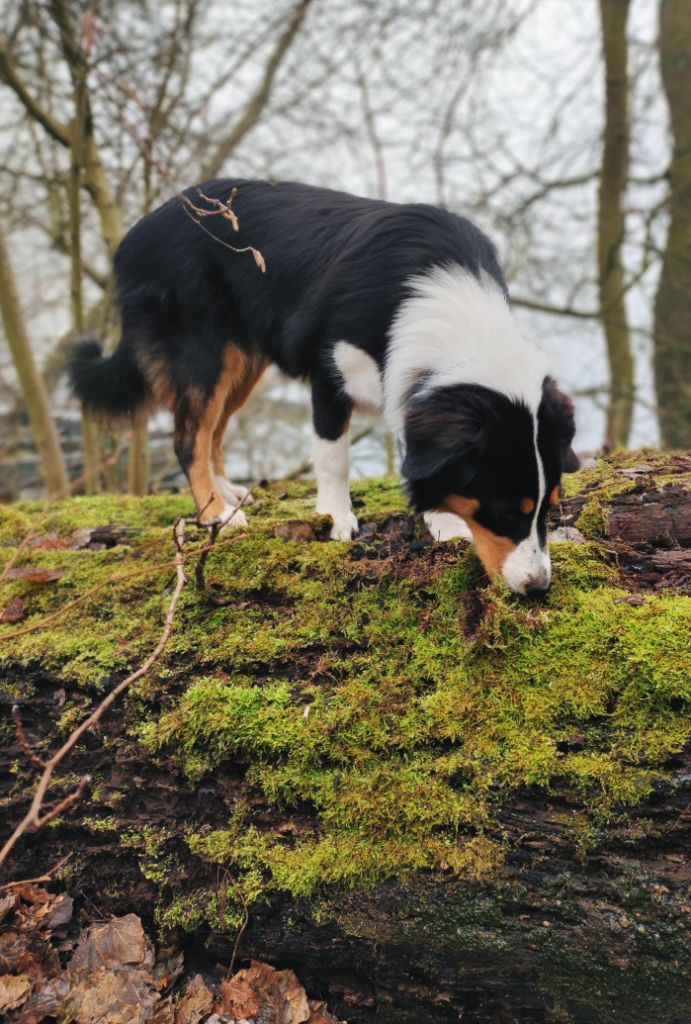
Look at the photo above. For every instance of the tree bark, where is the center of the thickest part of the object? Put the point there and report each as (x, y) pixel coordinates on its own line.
(611, 222)
(672, 332)
(35, 396)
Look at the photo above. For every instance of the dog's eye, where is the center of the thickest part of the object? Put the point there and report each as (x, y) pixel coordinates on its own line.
(527, 506)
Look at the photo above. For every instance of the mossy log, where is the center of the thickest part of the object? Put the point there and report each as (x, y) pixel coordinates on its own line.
(432, 799)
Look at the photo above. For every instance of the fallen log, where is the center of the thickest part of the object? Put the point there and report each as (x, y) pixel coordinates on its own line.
(431, 799)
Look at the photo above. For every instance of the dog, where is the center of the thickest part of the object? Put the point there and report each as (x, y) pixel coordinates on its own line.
(402, 308)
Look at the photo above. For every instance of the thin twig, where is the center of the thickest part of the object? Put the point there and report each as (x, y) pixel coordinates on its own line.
(199, 571)
(48, 877)
(22, 740)
(32, 819)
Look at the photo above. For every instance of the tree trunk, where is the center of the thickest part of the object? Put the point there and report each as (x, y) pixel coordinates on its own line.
(35, 396)
(573, 907)
(611, 222)
(672, 333)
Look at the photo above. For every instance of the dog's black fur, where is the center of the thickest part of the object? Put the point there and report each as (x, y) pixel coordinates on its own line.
(337, 267)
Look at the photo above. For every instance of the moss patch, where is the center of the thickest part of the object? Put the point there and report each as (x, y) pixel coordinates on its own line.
(385, 704)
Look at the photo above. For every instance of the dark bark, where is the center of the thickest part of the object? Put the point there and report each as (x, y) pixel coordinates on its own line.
(588, 922)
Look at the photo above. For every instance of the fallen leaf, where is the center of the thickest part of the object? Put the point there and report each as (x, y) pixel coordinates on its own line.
(14, 990)
(278, 989)
(113, 997)
(46, 1002)
(55, 913)
(7, 903)
(295, 529)
(34, 574)
(121, 941)
(238, 999)
(14, 611)
(51, 542)
(195, 1004)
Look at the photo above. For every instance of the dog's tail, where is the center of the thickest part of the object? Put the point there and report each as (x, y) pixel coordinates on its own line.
(112, 384)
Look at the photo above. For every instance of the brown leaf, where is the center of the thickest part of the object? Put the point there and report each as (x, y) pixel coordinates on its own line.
(238, 999)
(14, 611)
(58, 911)
(295, 529)
(34, 574)
(46, 1002)
(51, 542)
(14, 990)
(7, 903)
(121, 941)
(113, 997)
(278, 989)
(195, 1004)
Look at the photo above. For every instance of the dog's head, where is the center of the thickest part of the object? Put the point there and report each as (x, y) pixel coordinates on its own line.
(497, 464)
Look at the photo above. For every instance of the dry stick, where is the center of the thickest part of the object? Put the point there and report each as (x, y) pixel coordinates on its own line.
(33, 819)
(48, 877)
(22, 740)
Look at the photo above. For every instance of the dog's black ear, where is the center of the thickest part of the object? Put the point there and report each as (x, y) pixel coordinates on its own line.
(442, 427)
(559, 409)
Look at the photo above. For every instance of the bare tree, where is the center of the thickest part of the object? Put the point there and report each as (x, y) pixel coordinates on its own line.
(611, 220)
(672, 333)
(35, 396)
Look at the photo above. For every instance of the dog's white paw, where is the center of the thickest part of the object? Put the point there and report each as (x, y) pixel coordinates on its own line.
(234, 494)
(447, 526)
(344, 527)
(233, 518)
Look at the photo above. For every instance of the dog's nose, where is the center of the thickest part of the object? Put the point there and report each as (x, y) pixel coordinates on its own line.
(535, 589)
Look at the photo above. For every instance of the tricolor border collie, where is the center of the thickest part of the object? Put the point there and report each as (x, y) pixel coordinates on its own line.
(397, 307)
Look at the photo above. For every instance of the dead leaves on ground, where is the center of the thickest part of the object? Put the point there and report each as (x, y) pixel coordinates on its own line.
(109, 973)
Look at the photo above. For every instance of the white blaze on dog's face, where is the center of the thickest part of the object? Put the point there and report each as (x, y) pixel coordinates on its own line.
(496, 463)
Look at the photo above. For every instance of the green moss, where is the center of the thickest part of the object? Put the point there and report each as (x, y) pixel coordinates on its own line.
(363, 699)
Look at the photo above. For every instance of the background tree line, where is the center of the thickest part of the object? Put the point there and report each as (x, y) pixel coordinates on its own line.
(565, 134)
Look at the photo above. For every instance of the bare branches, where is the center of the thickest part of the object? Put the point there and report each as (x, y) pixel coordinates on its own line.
(10, 75)
(252, 112)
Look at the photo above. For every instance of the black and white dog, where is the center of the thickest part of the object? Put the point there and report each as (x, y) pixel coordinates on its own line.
(399, 307)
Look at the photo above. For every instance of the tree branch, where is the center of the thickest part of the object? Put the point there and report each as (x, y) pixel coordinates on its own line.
(252, 112)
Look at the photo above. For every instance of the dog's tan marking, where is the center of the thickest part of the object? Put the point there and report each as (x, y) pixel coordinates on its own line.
(527, 506)
(554, 496)
(242, 377)
(492, 549)
(200, 425)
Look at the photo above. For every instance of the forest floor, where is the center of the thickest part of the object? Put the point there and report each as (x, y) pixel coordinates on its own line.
(363, 762)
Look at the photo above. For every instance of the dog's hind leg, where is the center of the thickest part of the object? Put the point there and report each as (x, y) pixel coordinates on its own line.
(198, 414)
(239, 390)
(331, 415)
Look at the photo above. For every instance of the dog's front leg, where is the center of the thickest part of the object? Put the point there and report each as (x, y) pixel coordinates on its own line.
(331, 457)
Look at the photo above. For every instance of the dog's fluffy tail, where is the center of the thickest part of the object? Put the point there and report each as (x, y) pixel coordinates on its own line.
(112, 384)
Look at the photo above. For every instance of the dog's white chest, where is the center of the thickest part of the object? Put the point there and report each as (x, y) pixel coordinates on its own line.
(360, 374)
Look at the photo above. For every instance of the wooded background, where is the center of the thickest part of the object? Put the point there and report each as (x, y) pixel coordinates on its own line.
(564, 130)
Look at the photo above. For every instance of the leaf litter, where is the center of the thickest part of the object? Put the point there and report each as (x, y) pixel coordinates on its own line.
(55, 966)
